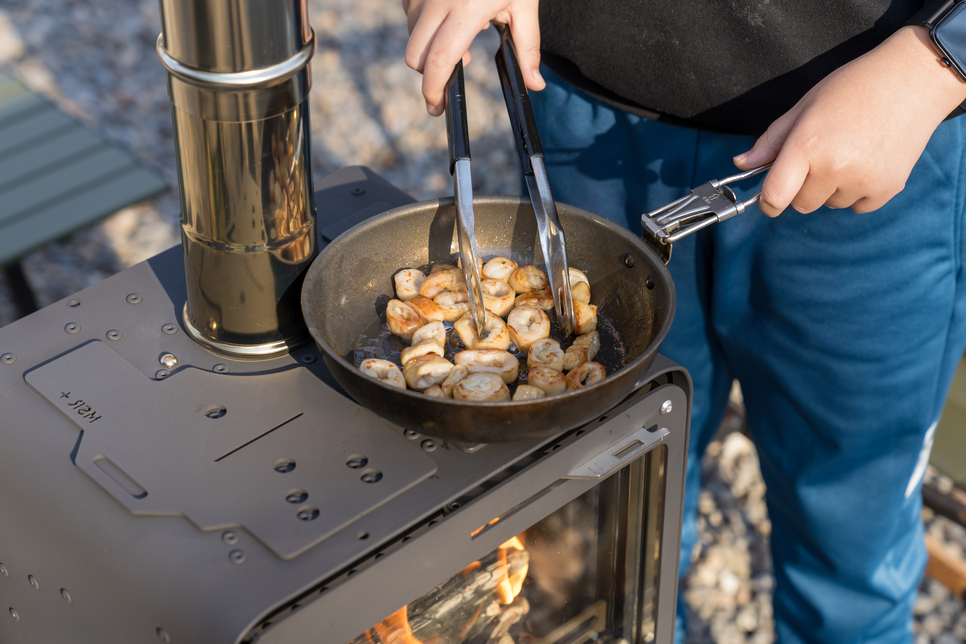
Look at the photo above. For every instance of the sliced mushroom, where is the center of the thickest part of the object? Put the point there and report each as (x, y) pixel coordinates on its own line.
(586, 318)
(586, 374)
(528, 392)
(407, 282)
(546, 353)
(430, 347)
(499, 268)
(435, 392)
(442, 280)
(542, 299)
(527, 324)
(454, 304)
(502, 363)
(498, 297)
(528, 278)
(497, 336)
(550, 380)
(433, 331)
(383, 371)
(584, 348)
(581, 292)
(481, 387)
(403, 319)
(425, 371)
(458, 373)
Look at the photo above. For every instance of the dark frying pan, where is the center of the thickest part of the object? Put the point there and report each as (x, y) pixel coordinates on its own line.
(345, 290)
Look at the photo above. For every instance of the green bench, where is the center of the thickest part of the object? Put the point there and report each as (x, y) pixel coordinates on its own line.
(56, 177)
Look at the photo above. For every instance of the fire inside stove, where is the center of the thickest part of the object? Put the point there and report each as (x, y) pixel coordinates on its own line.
(560, 581)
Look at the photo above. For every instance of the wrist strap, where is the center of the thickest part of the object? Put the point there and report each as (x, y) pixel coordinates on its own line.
(927, 17)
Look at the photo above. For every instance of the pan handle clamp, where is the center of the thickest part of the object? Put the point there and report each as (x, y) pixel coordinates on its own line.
(705, 205)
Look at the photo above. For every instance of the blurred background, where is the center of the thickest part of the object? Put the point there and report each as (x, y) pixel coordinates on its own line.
(95, 60)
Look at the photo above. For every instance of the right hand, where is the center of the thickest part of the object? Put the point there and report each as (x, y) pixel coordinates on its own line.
(440, 33)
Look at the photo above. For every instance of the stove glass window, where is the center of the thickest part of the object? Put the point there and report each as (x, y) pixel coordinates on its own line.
(586, 573)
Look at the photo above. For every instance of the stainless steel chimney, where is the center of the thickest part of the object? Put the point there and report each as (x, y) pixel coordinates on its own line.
(238, 79)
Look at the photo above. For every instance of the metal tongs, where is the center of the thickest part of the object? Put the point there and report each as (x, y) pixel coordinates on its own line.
(705, 205)
(524, 127)
(551, 235)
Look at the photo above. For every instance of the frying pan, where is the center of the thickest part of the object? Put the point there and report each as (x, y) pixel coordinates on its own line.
(347, 287)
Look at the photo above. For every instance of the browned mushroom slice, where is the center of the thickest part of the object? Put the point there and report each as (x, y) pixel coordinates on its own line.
(542, 299)
(428, 310)
(383, 371)
(584, 348)
(550, 380)
(443, 280)
(546, 353)
(458, 373)
(430, 347)
(498, 297)
(407, 282)
(425, 371)
(528, 278)
(497, 336)
(586, 316)
(499, 268)
(527, 324)
(454, 304)
(403, 320)
(577, 276)
(586, 374)
(502, 363)
(434, 331)
(435, 392)
(581, 292)
(482, 387)
(528, 392)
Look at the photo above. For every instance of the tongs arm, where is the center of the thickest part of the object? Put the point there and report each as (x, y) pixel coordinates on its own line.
(524, 126)
(705, 205)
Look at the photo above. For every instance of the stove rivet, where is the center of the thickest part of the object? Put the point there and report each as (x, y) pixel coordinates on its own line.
(161, 374)
(284, 465)
(72, 328)
(66, 595)
(133, 298)
(237, 557)
(629, 260)
(371, 476)
(410, 433)
(429, 445)
(666, 407)
(8, 358)
(73, 303)
(220, 368)
(455, 505)
(308, 513)
(170, 329)
(649, 282)
(296, 496)
(14, 614)
(169, 361)
(309, 358)
(3, 571)
(358, 190)
(33, 582)
(114, 334)
(163, 635)
(229, 537)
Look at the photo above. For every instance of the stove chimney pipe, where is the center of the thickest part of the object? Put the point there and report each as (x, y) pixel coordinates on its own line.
(238, 79)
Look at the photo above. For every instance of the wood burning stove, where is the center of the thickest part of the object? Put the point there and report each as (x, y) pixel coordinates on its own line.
(151, 490)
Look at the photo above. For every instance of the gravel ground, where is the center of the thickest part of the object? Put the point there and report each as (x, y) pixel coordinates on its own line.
(95, 59)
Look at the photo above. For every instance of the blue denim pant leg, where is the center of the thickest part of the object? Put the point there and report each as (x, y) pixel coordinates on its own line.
(844, 330)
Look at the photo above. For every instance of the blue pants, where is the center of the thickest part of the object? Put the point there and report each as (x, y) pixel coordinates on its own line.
(844, 330)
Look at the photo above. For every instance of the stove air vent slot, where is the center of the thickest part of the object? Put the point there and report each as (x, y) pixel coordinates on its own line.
(120, 477)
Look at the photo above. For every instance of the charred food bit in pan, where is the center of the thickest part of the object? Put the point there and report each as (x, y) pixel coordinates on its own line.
(502, 363)
(527, 324)
(407, 282)
(403, 319)
(383, 371)
(482, 387)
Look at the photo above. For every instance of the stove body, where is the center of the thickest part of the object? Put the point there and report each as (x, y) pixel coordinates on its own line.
(209, 499)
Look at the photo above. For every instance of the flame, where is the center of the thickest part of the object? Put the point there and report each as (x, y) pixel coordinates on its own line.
(395, 629)
(510, 585)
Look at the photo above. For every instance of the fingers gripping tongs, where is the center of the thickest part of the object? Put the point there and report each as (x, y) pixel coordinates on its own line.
(705, 205)
(524, 128)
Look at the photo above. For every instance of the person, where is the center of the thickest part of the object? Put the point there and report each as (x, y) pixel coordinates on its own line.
(843, 319)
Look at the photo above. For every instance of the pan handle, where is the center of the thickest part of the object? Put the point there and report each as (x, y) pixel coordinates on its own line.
(457, 129)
